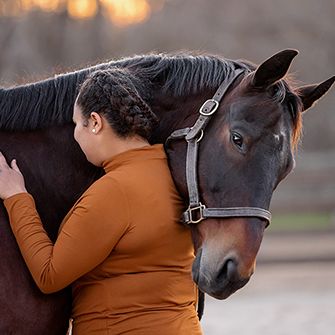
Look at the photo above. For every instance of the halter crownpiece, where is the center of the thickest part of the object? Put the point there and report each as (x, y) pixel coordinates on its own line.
(196, 211)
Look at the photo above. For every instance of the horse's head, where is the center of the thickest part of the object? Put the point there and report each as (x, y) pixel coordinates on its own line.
(246, 150)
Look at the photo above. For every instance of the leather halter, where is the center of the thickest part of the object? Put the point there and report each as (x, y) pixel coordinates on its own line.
(197, 211)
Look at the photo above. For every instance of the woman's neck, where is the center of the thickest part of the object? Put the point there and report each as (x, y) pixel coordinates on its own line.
(117, 145)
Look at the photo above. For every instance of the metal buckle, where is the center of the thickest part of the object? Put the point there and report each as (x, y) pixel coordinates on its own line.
(193, 215)
(211, 111)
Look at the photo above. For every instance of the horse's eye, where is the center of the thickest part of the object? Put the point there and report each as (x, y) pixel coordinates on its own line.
(237, 139)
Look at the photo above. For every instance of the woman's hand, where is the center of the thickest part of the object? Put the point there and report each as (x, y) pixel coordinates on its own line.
(11, 179)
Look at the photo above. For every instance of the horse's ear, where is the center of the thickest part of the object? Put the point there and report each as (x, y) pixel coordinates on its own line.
(311, 93)
(273, 68)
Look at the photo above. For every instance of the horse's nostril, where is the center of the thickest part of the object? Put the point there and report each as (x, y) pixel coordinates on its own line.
(228, 271)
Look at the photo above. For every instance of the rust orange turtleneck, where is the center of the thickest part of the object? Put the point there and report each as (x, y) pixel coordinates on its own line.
(122, 249)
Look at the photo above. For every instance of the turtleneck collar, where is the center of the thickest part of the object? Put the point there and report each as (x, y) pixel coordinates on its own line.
(133, 155)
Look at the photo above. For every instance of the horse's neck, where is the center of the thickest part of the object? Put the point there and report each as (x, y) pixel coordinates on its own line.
(56, 171)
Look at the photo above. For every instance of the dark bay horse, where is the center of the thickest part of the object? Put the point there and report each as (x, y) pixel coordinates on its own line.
(246, 150)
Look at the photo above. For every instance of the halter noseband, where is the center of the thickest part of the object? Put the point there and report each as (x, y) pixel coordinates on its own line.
(197, 211)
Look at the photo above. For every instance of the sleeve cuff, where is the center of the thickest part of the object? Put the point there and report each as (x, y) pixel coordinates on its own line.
(9, 202)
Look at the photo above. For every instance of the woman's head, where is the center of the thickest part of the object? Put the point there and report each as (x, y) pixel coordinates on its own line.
(111, 94)
(108, 101)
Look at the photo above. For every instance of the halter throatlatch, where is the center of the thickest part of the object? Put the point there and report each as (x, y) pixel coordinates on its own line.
(197, 211)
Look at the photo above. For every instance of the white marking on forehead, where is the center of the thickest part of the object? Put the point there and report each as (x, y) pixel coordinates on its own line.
(278, 137)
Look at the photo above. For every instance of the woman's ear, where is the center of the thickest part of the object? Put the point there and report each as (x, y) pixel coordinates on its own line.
(96, 122)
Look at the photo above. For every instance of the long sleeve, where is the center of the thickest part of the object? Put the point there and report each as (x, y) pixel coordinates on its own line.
(87, 237)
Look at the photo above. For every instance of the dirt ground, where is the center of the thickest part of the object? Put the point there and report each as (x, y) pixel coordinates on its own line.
(280, 299)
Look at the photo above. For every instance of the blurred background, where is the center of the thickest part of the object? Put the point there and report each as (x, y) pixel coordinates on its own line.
(39, 38)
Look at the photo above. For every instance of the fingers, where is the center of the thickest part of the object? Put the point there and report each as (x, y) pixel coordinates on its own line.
(14, 166)
(3, 163)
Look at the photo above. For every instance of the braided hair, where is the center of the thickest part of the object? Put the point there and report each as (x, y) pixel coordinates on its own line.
(112, 94)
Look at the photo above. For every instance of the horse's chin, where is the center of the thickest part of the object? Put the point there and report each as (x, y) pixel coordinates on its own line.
(219, 285)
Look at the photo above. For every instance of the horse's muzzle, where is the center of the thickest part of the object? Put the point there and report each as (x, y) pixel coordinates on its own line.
(218, 282)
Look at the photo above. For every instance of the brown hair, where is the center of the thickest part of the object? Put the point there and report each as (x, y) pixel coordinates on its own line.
(112, 94)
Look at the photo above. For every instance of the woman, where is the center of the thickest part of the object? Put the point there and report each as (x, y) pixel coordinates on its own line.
(120, 246)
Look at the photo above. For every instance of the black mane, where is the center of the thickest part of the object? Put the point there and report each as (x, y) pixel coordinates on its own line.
(50, 102)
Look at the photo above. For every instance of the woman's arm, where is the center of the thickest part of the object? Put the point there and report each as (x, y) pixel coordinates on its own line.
(88, 236)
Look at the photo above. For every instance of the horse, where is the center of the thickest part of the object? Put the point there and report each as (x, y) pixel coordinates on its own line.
(247, 133)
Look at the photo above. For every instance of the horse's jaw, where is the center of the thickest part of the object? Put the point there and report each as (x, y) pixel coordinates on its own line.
(226, 255)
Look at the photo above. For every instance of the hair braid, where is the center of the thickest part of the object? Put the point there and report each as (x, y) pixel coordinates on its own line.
(112, 94)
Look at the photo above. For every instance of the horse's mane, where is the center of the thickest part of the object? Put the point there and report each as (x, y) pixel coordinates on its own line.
(50, 102)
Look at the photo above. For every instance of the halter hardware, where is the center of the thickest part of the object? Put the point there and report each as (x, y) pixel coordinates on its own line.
(195, 214)
(210, 105)
(201, 136)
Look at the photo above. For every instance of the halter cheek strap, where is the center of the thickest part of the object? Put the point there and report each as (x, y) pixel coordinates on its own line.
(197, 211)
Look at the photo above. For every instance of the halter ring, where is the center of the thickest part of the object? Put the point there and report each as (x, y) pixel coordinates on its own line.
(201, 136)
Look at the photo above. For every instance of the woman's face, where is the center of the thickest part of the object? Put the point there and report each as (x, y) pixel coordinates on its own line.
(83, 133)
